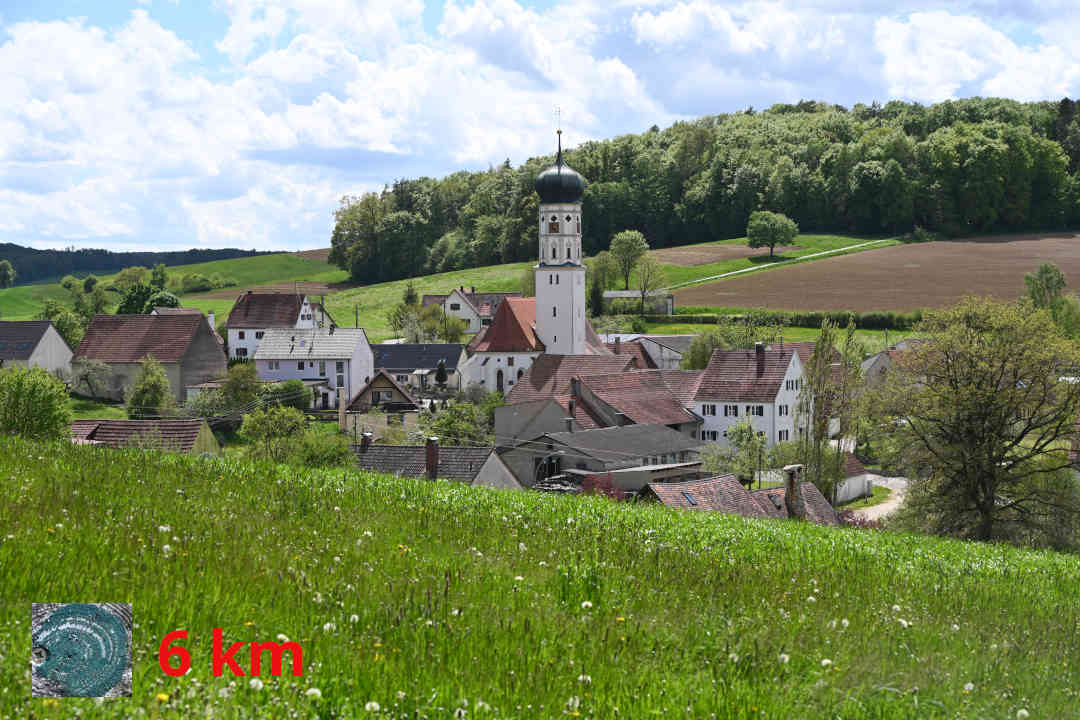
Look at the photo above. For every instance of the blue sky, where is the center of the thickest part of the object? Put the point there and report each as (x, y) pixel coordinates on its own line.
(241, 123)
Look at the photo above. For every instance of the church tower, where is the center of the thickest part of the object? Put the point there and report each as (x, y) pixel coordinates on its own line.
(560, 275)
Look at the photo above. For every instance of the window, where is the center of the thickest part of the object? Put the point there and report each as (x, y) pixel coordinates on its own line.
(241, 352)
(401, 378)
(709, 435)
(689, 498)
(240, 335)
(382, 396)
(556, 339)
(553, 251)
(322, 368)
(708, 410)
(568, 251)
(556, 279)
(551, 279)
(783, 436)
(731, 411)
(485, 322)
(758, 410)
(554, 311)
(783, 410)
(567, 218)
(299, 364)
(553, 227)
(455, 306)
(341, 381)
(579, 226)
(340, 366)
(259, 334)
(510, 361)
(275, 364)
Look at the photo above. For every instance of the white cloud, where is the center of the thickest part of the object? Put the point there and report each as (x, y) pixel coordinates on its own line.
(933, 56)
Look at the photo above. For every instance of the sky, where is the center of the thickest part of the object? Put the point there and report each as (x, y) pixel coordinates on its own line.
(173, 124)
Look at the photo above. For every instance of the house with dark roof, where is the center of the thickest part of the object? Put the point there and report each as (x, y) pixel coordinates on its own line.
(634, 349)
(256, 312)
(433, 461)
(383, 391)
(725, 494)
(550, 375)
(327, 359)
(476, 309)
(634, 455)
(184, 344)
(191, 437)
(641, 397)
(761, 385)
(34, 343)
(416, 365)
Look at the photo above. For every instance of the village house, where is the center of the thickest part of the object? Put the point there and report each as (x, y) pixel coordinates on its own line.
(416, 365)
(34, 343)
(663, 351)
(184, 345)
(725, 494)
(469, 465)
(384, 392)
(190, 311)
(192, 437)
(634, 455)
(325, 359)
(256, 312)
(476, 309)
(761, 385)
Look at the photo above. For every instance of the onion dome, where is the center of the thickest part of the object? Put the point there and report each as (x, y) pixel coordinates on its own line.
(560, 183)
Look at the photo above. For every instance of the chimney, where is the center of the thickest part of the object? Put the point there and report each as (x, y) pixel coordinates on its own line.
(365, 442)
(759, 353)
(431, 457)
(569, 424)
(210, 319)
(618, 344)
(571, 405)
(461, 288)
(473, 289)
(249, 292)
(796, 507)
(575, 387)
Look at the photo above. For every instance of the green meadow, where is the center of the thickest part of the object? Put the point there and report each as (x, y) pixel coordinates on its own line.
(417, 599)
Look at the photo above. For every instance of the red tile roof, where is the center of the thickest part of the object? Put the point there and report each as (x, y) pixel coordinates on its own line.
(174, 435)
(818, 509)
(642, 396)
(583, 414)
(512, 330)
(745, 375)
(723, 494)
(130, 338)
(550, 374)
(187, 311)
(684, 383)
(265, 310)
(635, 349)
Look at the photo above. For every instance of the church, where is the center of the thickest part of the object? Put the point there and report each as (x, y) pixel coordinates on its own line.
(554, 322)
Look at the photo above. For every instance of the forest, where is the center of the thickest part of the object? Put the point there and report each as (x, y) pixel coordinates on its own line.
(35, 265)
(955, 168)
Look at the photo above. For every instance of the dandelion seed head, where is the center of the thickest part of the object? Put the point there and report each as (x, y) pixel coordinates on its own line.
(968, 687)
(314, 693)
(256, 684)
(826, 662)
(784, 658)
(844, 623)
(1022, 714)
(586, 605)
(372, 706)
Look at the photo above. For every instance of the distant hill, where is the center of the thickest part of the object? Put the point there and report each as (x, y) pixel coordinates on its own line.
(38, 265)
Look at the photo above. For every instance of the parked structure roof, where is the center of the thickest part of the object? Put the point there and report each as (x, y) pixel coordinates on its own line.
(401, 356)
(620, 444)
(550, 374)
(309, 343)
(19, 338)
(455, 462)
(754, 375)
(265, 310)
(130, 338)
(174, 435)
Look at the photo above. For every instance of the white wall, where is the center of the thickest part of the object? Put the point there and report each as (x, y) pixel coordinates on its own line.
(770, 422)
(250, 342)
(51, 353)
(855, 487)
(465, 310)
(474, 371)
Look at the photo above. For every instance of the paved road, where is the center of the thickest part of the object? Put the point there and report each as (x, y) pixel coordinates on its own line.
(898, 485)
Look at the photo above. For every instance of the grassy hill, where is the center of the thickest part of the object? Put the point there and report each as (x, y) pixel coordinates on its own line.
(23, 302)
(427, 597)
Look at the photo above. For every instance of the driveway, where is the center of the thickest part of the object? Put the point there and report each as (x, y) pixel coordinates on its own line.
(898, 485)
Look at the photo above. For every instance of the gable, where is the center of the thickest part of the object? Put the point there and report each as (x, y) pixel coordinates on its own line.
(130, 338)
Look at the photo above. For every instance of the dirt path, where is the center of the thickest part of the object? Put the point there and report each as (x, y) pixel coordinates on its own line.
(898, 486)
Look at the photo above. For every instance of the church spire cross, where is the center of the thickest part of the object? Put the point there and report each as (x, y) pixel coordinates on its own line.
(558, 133)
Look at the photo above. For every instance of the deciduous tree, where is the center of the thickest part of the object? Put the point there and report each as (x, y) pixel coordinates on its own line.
(981, 420)
(650, 277)
(33, 404)
(627, 248)
(150, 396)
(7, 274)
(769, 229)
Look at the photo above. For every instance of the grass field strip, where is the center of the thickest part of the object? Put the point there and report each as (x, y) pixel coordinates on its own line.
(779, 264)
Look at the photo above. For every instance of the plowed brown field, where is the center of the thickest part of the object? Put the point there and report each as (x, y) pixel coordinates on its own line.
(704, 254)
(900, 277)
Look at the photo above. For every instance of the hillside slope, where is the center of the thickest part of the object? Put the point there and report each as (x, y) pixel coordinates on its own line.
(426, 598)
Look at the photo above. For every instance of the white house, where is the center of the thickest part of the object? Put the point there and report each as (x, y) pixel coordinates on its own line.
(761, 384)
(502, 352)
(476, 309)
(34, 343)
(255, 313)
(324, 358)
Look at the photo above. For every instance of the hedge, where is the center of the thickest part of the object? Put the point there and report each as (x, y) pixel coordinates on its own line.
(879, 320)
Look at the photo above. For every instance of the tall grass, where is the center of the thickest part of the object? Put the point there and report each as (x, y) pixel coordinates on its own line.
(429, 598)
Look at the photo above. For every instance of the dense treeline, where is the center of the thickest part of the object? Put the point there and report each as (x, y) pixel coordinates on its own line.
(958, 167)
(35, 265)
